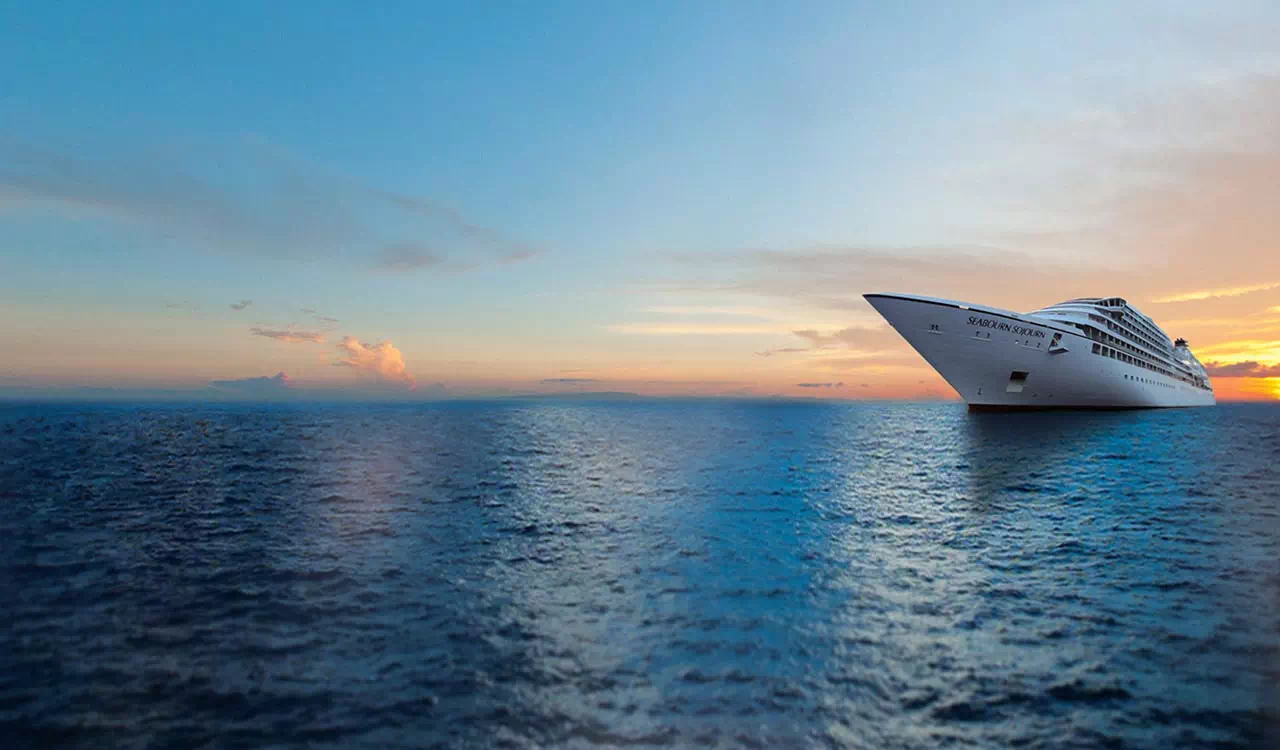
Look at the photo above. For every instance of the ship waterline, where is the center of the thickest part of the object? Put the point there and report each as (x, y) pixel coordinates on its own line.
(1099, 353)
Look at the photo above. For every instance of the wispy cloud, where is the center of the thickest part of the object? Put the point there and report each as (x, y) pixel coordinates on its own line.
(1214, 293)
(905, 361)
(692, 329)
(242, 304)
(246, 197)
(819, 385)
(1262, 350)
(713, 311)
(326, 322)
(382, 360)
(861, 338)
(1177, 205)
(858, 338)
(503, 248)
(784, 350)
(401, 257)
(572, 381)
(1182, 190)
(290, 336)
(1248, 369)
(833, 278)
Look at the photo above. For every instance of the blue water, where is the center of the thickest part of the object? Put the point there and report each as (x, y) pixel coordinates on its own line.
(648, 573)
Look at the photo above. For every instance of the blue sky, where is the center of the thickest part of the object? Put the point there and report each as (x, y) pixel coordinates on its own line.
(511, 191)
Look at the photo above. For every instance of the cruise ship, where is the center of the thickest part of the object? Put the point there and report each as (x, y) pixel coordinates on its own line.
(1088, 353)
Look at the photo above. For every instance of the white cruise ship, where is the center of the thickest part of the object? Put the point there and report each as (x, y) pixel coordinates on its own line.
(1090, 353)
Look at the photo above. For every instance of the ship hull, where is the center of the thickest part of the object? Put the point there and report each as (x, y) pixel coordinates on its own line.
(999, 360)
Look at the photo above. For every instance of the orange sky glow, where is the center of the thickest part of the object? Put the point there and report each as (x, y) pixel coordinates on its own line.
(717, 242)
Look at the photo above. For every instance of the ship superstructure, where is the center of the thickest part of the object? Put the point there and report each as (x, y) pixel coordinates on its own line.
(1091, 352)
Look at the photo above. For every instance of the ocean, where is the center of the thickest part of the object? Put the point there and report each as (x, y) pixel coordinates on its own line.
(642, 573)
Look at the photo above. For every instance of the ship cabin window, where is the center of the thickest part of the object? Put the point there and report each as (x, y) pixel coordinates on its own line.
(1096, 348)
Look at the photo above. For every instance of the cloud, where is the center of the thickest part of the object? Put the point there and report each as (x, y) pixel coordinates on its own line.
(713, 311)
(247, 197)
(506, 249)
(516, 256)
(290, 336)
(258, 386)
(874, 361)
(242, 304)
(403, 257)
(1176, 205)
(690, 329)
(784, 350)
(835, 277)
(1213, 293)
(855, 337)
(1182, 193)
(858, 338)
(381, 360)
(819, 385)
(1248, 369)
(570, 380)
(325, 322)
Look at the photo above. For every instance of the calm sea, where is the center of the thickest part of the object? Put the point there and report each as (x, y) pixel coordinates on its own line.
(644, 573)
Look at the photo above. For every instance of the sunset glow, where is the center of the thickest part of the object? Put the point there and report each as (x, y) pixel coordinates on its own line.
(545, 201)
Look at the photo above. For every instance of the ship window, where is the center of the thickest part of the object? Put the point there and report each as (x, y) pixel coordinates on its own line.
(1096, 349)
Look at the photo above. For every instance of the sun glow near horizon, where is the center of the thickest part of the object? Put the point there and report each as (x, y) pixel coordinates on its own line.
(706, 228)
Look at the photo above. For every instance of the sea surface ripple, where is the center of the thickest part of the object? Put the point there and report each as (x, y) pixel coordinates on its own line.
(640, 573)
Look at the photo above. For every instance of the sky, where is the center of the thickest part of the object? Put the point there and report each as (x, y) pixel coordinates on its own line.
(420, 200)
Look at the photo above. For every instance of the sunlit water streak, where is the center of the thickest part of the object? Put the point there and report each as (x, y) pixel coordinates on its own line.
(724, 573)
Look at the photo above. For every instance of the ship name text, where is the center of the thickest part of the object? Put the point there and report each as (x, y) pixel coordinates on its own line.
(979, 322)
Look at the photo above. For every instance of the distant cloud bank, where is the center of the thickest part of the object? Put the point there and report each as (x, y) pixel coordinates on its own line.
(260, 386)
